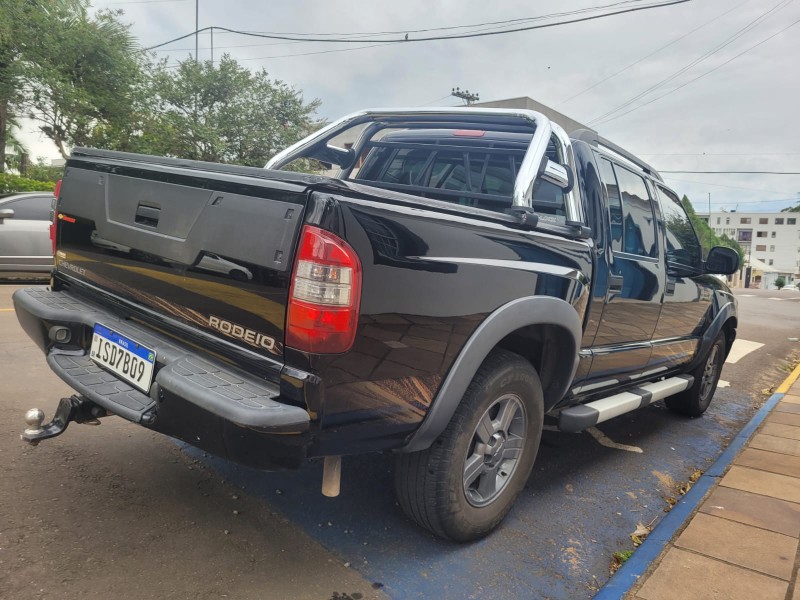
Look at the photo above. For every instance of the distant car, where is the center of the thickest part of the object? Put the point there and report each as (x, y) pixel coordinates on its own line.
(25, 248)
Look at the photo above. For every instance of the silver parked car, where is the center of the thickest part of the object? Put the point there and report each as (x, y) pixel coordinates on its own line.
(25, 248)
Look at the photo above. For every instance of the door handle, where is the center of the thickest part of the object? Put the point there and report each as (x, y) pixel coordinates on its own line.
(615, 283)
(147, 215)
(670, 290)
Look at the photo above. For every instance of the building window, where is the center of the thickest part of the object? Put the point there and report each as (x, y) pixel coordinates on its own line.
(727, 220)
(761, 248)
(761, 234)
(763, 221)
(744, 235)
(772, 248)
(718, 220)
(744, 220)
(773, 234)
(791, 221)
(771, 261)
(778, 220)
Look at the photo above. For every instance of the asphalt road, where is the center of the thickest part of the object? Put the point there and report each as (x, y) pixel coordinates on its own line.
(117, 508)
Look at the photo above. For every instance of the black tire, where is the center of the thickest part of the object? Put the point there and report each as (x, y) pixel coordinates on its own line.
(695, 401)
(238, 275)
(432, 486)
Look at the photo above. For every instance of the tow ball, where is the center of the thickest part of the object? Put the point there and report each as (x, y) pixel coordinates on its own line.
(75, 408)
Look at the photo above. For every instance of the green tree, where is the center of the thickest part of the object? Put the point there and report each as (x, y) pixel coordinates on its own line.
(82, 75)
(41, 171)
(709, 239)
(222, 113)
(780, 282)
(66, 69)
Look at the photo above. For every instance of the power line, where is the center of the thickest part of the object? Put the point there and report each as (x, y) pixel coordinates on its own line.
(737, 172)
(664, 47)
(145, 1)
(431, 38)
(754, 46)
(450, 27)
(301, 53)
(708, 54)
(733, 187)
(719, 154)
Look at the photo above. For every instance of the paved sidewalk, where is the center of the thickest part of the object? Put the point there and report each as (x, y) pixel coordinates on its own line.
(742, 543)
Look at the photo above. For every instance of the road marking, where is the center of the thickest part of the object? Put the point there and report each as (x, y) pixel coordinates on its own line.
(745, 295)
(723, 384)
(778, 299)
(604, 440)
(6, 310)
(740, 349)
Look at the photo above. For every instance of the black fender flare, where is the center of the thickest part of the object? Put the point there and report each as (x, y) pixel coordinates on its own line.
(724, 314)
(523, 312)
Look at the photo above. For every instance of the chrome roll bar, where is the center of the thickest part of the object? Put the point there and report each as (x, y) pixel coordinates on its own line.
(463, 118)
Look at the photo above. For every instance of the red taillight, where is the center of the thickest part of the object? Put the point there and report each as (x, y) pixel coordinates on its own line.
(54, 216)
(469, 133)
(324, 297)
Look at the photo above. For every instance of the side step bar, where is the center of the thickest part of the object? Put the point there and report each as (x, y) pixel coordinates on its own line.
(580, 417)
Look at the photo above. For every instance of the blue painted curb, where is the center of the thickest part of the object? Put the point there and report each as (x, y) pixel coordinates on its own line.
(636, 565)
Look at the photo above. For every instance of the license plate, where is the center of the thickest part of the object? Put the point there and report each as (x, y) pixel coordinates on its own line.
(127, 359)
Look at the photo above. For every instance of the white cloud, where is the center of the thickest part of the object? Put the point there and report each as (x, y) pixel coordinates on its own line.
(748, 106)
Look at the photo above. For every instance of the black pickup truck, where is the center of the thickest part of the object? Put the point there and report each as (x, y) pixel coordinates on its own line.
(463, 274)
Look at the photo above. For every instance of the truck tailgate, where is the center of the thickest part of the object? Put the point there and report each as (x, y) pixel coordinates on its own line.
(208, 246)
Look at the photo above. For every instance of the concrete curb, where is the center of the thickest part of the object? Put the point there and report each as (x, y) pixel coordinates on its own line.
(633, 569)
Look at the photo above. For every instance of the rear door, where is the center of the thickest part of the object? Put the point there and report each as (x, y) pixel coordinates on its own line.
(622, 345)
(25, 238)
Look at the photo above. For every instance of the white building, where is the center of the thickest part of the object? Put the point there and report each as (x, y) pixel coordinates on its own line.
(772, 238)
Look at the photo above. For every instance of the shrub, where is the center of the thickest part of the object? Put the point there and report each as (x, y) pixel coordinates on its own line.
(14, 183)
(780, 282)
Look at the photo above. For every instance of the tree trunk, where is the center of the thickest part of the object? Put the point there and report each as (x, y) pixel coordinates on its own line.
(3, 132)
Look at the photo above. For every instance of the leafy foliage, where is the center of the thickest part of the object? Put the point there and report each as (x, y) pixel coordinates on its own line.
(780, 282)
(15, 183)
(221, 113)
(709, 239)
(792, 209)
(41, 171)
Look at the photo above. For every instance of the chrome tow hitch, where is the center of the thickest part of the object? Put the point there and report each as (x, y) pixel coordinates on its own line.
(75, 408)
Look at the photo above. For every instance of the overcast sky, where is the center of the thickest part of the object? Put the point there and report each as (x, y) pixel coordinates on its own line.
(742, 116)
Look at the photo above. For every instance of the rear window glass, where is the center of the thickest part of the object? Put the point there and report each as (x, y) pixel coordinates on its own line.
(477, 172)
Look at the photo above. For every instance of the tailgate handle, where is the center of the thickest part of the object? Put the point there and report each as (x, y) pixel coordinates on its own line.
(147, 215)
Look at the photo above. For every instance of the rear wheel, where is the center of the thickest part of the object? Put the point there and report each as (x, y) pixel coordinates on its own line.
(463, 486)
(695, 401)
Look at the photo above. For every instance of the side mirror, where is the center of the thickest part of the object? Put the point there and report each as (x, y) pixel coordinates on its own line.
(558, 175)
(6, 213)
(722, 260)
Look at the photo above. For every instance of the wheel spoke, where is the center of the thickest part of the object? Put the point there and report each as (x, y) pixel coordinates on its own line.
(508, 410)
(473, 468)
(513, 448)
(485, 429)
(487, 485)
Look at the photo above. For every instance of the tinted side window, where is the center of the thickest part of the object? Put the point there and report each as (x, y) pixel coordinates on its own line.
(682, 246)
(614, 203)
(34, 208)
(639, 235)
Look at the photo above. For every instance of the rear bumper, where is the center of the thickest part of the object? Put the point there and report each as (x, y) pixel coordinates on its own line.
(200, 400)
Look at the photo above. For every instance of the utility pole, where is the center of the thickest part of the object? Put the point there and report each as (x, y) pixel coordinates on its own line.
(465, 95)
(709, 207)
(196, 29)
(212, 46)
